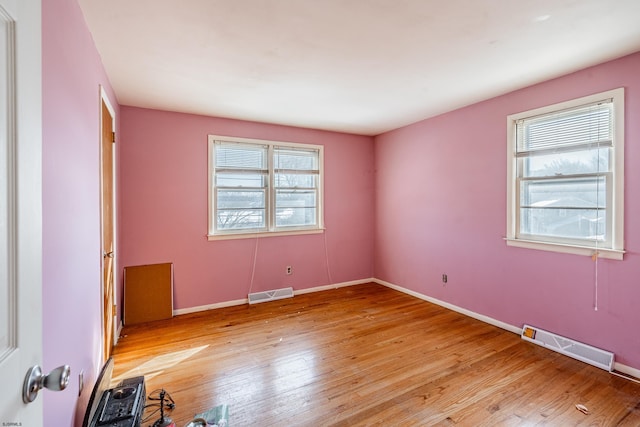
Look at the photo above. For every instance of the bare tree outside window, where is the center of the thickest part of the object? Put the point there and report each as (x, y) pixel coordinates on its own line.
(264, 186)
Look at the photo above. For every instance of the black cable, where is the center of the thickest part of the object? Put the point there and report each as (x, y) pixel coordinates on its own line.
(166, 403)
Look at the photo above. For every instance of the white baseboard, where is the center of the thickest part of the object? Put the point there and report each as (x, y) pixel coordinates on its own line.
(246, 300)
(624, 369)
(210, 306)
(334, 286)
(627, 371)
(117, 333)
(482, 317)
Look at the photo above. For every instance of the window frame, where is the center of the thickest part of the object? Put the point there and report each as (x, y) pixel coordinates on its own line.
(615, 198)
(270, 228)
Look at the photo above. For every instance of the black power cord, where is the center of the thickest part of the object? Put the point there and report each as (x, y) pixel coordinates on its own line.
(166, 404)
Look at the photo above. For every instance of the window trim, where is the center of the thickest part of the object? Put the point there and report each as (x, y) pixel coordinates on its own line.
(270, 197)
(616, 250)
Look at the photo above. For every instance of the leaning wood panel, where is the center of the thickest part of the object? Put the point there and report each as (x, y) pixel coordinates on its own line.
(148, 293)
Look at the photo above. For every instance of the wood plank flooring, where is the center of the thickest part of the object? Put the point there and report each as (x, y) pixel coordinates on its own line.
(365, 355)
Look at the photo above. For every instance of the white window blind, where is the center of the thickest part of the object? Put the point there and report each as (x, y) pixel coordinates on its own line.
(566, 175)
(241, 178)
(572, 129)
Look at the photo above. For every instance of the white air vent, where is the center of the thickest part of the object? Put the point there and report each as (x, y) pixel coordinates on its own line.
(270, 295)
(583, 352)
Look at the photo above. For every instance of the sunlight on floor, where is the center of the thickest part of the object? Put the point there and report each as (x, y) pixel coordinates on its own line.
(293, 371)
(158, 364)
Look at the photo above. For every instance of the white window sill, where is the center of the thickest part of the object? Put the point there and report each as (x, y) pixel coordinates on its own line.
(256, 235)
(567, 249)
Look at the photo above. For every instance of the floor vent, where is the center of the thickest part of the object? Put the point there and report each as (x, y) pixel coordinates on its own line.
(583, 352)
(270, 295)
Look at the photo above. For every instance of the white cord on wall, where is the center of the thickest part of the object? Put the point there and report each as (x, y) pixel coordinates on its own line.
(253, 268)
(326, 257)
(596, 256)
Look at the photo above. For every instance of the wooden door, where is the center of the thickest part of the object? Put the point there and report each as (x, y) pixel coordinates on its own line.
(20, 208)
(108, 230)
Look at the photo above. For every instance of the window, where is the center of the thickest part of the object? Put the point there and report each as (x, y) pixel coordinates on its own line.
(258, 186)
(565, 176)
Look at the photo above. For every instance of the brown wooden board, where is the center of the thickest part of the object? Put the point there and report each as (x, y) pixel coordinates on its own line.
(148, 293)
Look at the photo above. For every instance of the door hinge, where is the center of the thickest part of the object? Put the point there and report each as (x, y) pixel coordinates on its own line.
(113, 137)
(114, 310)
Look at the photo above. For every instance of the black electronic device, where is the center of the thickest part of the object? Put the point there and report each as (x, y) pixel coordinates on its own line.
(121, 406)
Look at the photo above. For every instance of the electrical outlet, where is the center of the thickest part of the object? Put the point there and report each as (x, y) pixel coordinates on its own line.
(444, 278)
(289, 270)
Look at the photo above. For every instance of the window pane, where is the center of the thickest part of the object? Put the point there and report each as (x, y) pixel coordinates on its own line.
(565, 186)
(574, 162)
(242, 156)
(241, 180)
(566, 208)
(239, 199)
(564, 193)
(295, 208)
(295, 159)
(240, 209)
(263, 186)
(240, 219)
(567, 223)
(288, 180)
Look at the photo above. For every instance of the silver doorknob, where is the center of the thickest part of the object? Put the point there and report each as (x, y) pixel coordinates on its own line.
(56, 380)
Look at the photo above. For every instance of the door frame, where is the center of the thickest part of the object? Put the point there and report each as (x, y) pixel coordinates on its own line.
(104, 99)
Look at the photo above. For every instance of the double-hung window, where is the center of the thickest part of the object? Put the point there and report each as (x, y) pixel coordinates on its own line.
(258, 186)
(565, 176)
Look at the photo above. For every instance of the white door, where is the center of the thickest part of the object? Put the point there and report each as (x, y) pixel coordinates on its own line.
(20, 207)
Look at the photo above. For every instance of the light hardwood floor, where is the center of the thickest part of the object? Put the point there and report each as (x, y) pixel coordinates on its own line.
(365, 355)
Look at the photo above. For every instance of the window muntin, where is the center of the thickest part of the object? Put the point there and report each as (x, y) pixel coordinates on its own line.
(263, 187)
(566, 175)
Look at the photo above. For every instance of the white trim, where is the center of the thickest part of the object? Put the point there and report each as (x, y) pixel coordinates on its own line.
(104, 97)
(472, 314)
(627, 370)
(616, 249)
(624, 369)
(334, 286)
(567, 249)
(246, 300)
(618, 169)
(254, 235)
(118, 333)
(481, 317)
(270, 229)
(196, 309)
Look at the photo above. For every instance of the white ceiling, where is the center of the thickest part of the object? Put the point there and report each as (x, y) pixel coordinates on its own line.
(357, 66)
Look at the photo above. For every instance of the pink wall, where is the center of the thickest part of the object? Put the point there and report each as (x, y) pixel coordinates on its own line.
(441, 208)
(163, 210)
(437, 198)
(72, 73)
